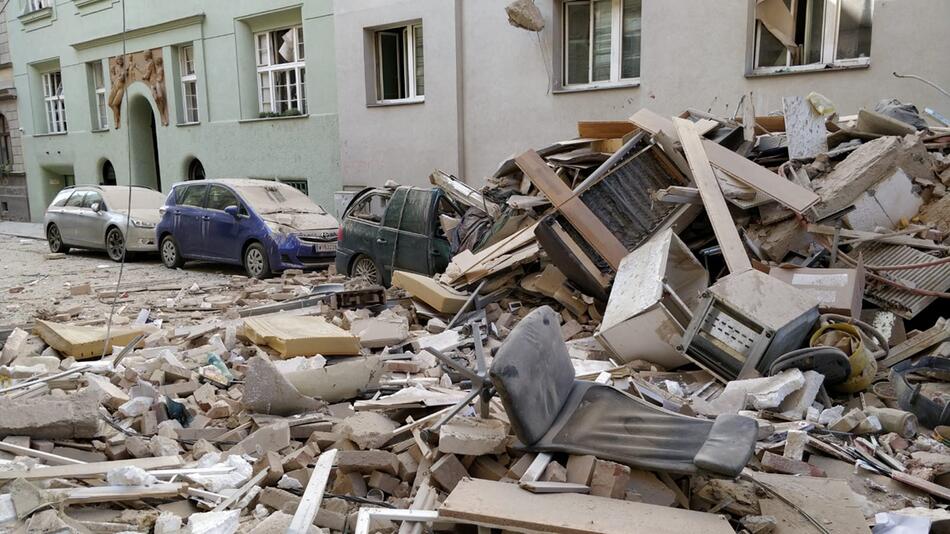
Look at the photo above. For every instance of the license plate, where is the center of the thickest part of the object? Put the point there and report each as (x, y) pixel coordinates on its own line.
(325, 247)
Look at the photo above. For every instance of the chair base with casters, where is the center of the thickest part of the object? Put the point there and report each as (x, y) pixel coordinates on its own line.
(551, 412)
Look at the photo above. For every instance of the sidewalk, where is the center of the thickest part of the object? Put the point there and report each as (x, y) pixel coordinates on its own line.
(22, 229)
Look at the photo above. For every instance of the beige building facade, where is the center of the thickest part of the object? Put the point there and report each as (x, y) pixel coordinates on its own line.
(489, 89)
(14, 201)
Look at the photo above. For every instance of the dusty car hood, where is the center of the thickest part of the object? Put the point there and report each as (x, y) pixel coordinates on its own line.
(148, 215)
(302, 221)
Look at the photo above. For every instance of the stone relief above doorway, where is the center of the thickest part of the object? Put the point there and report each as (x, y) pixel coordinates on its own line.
(146, 66)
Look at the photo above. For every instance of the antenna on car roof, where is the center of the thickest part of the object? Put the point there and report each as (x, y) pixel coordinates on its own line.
(128, 218)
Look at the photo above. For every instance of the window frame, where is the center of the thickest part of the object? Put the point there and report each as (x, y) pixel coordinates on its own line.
(616, 78)
(99, 95)
(6, 154)
(409, 80)
(188, 77)
(54, 104)
(32, 6)
(828, 46)
(298, 67)
(181, 194)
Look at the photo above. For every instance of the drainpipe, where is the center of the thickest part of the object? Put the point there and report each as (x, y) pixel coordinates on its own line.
(460, 90)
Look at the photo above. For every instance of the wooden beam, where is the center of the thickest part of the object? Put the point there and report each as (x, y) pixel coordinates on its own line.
(50, 459)
(510, 508)
(748, 172)
(91, 470)
(604, 129)
(313, 495)
(723, 226)
(566, 201)
(116, 493)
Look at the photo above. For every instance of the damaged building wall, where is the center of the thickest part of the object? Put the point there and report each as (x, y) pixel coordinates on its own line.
(694, 53)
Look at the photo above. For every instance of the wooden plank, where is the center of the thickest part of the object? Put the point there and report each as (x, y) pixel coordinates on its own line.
(50, 459)
(116, 493)
(313, 495)
(748, 172)
(604, 129)
(565, 200)
(723, 226)
(829, 501)
(872, 236)
(508, 507)
(91, 470)
(924, 340)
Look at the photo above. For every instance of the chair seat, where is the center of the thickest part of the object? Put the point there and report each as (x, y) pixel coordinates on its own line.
(616, 426)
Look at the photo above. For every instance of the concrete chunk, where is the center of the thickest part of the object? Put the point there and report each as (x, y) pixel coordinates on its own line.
(75, 416)
(369, 430)
(473, 437)
(759, 393)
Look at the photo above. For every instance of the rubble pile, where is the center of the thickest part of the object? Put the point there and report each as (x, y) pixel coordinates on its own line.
(688, 324)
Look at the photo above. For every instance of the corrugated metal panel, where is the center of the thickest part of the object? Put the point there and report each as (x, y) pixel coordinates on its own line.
(903, 303)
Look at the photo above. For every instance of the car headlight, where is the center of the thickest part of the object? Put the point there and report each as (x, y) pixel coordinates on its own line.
(141, 224)
(278, 228)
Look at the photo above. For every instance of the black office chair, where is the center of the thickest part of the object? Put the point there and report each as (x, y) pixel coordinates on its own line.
(550, 411)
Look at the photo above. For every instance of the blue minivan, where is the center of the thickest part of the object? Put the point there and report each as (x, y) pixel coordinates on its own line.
(265, 226)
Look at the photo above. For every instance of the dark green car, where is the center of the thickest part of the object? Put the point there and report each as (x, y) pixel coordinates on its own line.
(387, 229)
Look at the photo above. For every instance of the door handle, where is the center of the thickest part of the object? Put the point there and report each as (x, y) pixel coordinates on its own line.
(205, 217)
(381, 241)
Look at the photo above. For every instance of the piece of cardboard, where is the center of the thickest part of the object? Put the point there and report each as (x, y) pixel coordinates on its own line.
(837, 290)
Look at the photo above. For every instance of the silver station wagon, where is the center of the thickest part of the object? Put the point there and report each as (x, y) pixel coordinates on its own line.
(96, 217)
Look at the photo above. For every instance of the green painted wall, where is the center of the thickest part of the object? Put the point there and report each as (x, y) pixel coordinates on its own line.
(230, 140)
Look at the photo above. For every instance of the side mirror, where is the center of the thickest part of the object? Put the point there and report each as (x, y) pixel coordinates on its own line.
(96, 207)
(233, 211)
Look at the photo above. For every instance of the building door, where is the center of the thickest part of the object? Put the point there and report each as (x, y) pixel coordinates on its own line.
(144, 143)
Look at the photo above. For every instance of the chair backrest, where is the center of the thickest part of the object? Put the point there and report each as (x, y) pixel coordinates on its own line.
(533, 375)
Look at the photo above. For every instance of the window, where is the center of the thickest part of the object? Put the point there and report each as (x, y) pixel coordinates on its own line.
(55, 102)
(281, 72)
(91, 198)
(372, 208)
(221, 197)
(99, 94)
(797, 33)
(300, 185)
(75, 200)
(196, 171)
(193, 195)
(36, 5)
(601, 41)
(189, 85)
(415, 214)
(400, 65)
(61, 198)
(108, 173)
(5, 158)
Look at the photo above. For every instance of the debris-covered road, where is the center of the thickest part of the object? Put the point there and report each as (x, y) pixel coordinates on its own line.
(663, 324)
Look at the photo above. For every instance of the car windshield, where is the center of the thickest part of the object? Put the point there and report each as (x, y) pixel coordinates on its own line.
(273, 198)
(117, 199)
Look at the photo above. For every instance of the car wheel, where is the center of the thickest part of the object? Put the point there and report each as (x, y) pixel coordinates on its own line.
(55, 240)
(365, 267)
(169, 252)
(115, 244)
(255, 261)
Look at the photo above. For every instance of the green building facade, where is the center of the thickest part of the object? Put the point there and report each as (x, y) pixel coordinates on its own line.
(248, 87)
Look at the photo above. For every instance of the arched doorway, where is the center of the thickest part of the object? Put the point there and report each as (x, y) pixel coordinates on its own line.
(196, 171)
(144, 149)
(108, 173)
